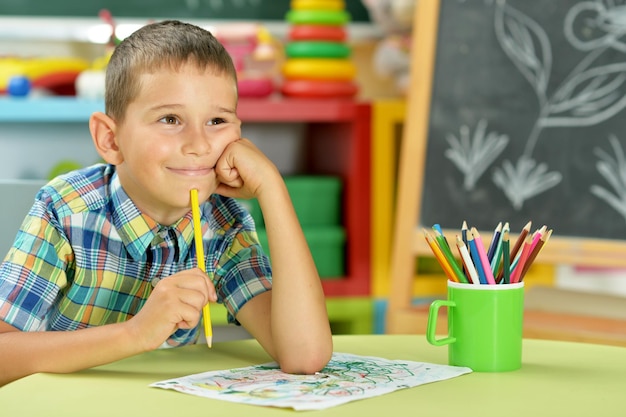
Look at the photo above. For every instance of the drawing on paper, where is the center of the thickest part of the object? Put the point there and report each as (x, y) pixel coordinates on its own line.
(589, 94)
(346, 378)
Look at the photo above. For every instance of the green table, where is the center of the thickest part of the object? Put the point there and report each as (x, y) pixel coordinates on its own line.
(556, 379)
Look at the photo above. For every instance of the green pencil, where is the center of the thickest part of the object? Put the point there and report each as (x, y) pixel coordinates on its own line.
(506, 261)
(445, 249)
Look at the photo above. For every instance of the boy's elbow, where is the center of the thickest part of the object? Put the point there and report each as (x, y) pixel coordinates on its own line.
(308, 363)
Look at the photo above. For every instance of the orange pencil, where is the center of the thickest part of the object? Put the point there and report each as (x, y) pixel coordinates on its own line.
(440, 257)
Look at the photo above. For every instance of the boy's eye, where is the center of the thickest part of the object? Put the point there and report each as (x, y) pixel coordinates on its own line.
(216, 121)
(170, 120)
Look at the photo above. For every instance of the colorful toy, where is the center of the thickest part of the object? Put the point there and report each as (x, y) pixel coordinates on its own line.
(321, 49)
(319, 88)
(317, 32)
(318, 17)
(319, 68)
(54, 74)
(318, 61)
(18, 86)
(317, 5)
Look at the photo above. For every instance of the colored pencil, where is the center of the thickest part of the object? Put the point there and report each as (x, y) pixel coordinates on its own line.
(197, 233)
(506, 261)
(467, 261)
(520, 239)
(440, 257)
(497, 257)
(494, 242)
(517, 245)
(447, 253)
(517, 272)
(483, 256)
(464, 232)
(534, 251)
(476, 258)
(438, 230)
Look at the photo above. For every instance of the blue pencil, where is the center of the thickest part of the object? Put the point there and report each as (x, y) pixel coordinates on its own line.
(476, 259)
(494, 242)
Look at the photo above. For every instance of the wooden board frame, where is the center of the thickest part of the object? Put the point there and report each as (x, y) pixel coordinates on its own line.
(408, 240)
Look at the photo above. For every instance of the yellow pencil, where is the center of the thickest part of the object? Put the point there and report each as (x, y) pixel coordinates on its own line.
(440, 257)
(197, 234)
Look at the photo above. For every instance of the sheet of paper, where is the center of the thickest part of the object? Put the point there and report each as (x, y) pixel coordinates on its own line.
(346, 378)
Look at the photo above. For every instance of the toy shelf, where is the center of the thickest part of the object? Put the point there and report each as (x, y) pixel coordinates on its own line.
(337, 137)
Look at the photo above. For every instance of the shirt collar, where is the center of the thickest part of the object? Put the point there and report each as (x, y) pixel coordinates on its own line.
(138, 230)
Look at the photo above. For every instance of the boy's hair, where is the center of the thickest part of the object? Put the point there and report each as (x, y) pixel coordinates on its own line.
(168, 44)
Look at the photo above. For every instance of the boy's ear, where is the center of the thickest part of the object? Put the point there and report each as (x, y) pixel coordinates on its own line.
(103, 129)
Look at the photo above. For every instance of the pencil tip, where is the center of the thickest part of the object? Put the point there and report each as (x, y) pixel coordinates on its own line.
(209, 341)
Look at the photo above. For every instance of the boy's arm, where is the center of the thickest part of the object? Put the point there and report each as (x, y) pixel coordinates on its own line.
(26, 353)
(175, 303)
(297, 333)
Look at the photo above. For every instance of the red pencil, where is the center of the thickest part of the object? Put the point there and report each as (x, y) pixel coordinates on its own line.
(517, 246)
(517, 272)
(535, 251)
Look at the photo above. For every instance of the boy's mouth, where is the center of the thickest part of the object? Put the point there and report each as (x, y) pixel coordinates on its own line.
(193, 172)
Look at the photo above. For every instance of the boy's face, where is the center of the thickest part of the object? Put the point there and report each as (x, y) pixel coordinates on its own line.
(172, 136)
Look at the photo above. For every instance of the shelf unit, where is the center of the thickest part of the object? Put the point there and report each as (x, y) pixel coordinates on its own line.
(337, 138)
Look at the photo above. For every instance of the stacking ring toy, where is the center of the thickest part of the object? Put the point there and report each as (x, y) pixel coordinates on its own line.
(318, 88)
(318, 17)
(318, 4)
(312, 49)
(317, 32)
(319, 68)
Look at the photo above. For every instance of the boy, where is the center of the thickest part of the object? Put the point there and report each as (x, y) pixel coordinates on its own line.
(107, 251)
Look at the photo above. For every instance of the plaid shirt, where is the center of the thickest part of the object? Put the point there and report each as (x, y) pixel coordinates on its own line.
(86, 256)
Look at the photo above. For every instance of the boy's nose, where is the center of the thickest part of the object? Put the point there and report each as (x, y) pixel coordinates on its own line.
(197, 141)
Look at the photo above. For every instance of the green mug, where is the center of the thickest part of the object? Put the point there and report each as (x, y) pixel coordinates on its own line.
(485, 324)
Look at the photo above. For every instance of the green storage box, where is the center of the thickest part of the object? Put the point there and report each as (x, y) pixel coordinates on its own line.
(316, 200)
(327, 245)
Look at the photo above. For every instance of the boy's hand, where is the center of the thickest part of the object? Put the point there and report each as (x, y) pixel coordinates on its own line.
(176, 303)
(242, 170)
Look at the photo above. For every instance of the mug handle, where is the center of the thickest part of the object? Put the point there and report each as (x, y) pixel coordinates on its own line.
(431, 329)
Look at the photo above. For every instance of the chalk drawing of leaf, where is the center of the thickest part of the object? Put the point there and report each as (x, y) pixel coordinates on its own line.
(613, 169)
(473, 155)
(588, 98)
(526, 44)
(525, 180)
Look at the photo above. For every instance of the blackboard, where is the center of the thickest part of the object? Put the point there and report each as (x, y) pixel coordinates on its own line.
(527, 118)
(263, 10)
(540, 79)
(516, 112)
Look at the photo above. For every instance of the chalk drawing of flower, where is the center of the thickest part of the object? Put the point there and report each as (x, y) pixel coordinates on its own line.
(590, 25)
(472, 155)
(613, 169)
(525, 180)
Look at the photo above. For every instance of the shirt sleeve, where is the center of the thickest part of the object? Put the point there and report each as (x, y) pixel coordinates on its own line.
(242, 269)
(33, 271)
